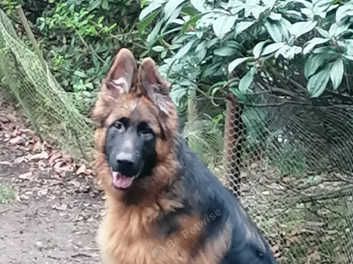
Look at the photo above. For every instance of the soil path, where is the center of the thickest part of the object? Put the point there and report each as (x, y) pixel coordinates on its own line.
(54, 214)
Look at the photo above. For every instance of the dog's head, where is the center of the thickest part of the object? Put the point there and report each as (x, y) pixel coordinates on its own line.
(136, 122)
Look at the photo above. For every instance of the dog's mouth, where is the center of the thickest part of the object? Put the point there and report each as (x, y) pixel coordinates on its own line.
(121, 181)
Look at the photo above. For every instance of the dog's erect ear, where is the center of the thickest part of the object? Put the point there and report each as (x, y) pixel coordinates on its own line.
(121, 74)
(153, 85)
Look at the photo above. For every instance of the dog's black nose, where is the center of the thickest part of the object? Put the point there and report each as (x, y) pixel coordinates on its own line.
(126, 164)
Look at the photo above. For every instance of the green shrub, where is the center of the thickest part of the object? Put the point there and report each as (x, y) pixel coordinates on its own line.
(296, 48)
(79, 38)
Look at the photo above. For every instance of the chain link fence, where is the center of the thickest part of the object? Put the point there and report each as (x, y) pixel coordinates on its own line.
(292, 166)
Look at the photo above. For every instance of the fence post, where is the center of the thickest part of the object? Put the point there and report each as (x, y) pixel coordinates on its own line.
(233, 138)
(31, 36)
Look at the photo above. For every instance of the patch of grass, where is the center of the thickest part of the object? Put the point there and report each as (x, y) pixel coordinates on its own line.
(7, 194)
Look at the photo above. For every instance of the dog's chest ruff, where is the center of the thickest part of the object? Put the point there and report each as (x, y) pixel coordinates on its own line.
(132, 237)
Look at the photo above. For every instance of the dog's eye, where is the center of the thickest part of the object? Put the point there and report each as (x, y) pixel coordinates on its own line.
(145, 131)
(260, 253)
(119, 126)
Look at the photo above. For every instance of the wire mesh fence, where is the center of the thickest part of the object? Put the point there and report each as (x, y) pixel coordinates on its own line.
(50, 110)
(292, 166)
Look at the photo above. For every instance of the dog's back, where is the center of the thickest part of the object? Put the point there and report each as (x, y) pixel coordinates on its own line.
(222, 210)
(163, 205)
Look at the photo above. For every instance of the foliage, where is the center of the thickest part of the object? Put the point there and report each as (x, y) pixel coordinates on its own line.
(204, 135)
(79, 38)
(289, 63)
(297, 49)
(49, 109)
(7, 194)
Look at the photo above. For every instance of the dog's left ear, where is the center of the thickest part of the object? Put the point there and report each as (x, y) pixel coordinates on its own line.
(153, 86)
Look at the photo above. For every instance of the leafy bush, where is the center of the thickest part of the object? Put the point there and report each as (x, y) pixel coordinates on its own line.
(290, 65)
(296, 49)
(79, 38)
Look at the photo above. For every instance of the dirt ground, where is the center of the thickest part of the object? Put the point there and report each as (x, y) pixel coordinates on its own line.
(56, 208)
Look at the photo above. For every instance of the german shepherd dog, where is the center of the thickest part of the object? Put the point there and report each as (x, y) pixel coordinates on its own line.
(163, 206)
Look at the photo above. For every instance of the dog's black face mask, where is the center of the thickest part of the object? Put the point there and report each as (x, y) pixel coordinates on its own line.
(130, 151)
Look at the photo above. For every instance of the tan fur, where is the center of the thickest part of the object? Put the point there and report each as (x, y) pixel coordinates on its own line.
(128, 233)
(130, 239)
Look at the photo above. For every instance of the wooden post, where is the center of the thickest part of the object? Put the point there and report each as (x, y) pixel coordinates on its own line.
(31, 36)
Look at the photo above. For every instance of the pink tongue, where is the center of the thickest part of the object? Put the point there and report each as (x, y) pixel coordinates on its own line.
(121, 181)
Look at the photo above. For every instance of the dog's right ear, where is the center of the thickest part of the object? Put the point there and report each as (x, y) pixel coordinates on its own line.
(122, 73)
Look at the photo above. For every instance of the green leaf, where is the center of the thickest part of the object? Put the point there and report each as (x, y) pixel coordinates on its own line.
(223, 24)
(243, 25)
(235, 63)
(318, 82)
(272, 48)
(312, 43)
(255, 10)
(201, 51)
(274, 30)
(171, 7)
(313, 63)
(151, 38)
(258, 48)
(336, 73)
(305, 3)
(300, 28)
(308, 12)
(225, 51)
(288, 52)
(158, 48)
(348, 57)
(191, 22)
(80, 74)
(247, 80)
(173, 18)
(336, 30)
(199, 5)
(177, 93)
(278, 30)
(275, 16)
(150, 8)
(323, 32)
(326, 50)
(184, 50)
(269, 3)
(344, 12)
(321, 7)
(147, 21)
(348, 45)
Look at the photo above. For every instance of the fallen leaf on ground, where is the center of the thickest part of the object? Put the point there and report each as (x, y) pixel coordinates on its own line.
(39, 156)
(37, 147)
(82, 170)
(4, 119)
(26, 176)
(54, 156)
(7, 163)
(17, 140)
